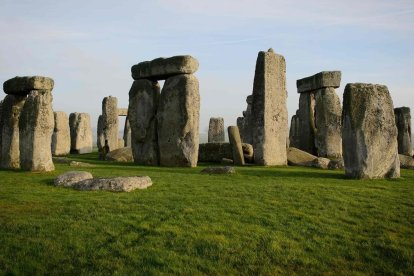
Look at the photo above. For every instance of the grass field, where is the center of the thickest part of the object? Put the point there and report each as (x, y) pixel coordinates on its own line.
(277, 220)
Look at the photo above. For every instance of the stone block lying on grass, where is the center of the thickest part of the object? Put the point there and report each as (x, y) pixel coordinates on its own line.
(120, 155)
(84, 181)
(406, 162)
(219, 170)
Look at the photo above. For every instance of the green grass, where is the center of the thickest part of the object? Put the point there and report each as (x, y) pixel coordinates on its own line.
(278, 220)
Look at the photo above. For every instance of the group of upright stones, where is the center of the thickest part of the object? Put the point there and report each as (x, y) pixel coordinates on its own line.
(162, 125)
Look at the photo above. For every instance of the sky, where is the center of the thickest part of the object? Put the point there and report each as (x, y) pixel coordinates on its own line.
(88, 47)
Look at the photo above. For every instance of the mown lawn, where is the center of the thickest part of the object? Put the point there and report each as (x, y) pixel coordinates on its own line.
(278, 220)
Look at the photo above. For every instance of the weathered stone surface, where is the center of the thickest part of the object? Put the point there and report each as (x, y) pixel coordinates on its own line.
(143, 104)
(127, 133)
(23, 85)
(120, 155)
(121, 142)
(336, 164)
(1, 127)
(61, 134)
(403, 122)
(406, 162)
(321, 163)
(100, 139)
(307, 123)
(248, 153)
(295, 131)
(297, 157)
(178, 121)
(216, 130)
(219, 170)
(81, 164)
(122, 111)
(36, 125)
(110, 121)
(163, 68)
(227, 161)
(116, 184)
(269, 110)
(369, 134)
(249, 99)
(80, 133)
(9, 128)
(236, 146)
(68, 179)
(321, 80)
(214, 152)
(328, 112)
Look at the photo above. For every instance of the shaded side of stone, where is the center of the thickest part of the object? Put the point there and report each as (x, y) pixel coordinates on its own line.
(216, 130)
(403, 122)
(236, 145)
(80, 133)
(320, 80)
(306, 114)
(214, 152)
(23, 85)
(100, 139)
(294, 132)
(127, 133)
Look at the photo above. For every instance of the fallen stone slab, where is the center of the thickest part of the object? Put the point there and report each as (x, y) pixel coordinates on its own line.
(297, 157)
(120, 155)
(320, 162)
(115, 184)
(219, 170)
(163, 68)
(227, 161)
(68, 179)
(23, 85)
(406, 162)
(320, 80)
(80, 164)
(61, 160)
(336, 164)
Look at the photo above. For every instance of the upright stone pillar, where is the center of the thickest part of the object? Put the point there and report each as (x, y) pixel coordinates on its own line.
(216, 130)
(100, 138)
(61, 134)
(127, 133)
(269, 111)
(236, 145)
(36, 128)
(369, 134)
(80, 133)
(178, 121)
(143, 105)
(10, 151)
(320, 114)
(403, 122)
(110, 121)
(294, 133)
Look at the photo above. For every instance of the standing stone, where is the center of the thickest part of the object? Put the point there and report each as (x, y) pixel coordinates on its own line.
(403, 122)
(36, 128)
(127, 133)
(307, 123)
(100, 139)
(10, 151)
(236, 145)
(369, 134)
(143, 105)
(61, 134)
(328, 111)
(1, 126)
(294, 132)
(178, 121)
(216, 130)
(22, 86)
(110, 121)
(269, 111)
(80, 133)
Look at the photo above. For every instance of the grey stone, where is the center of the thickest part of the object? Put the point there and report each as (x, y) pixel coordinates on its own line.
(219, 170)
(406, 162)
(248, 153)
(369, 134)
(122, 111)
(80, 164)
(403, 122)
(127, 133)
(328, 138)
(36, 125)
(115, 184)
(249, 99)
(297, 157)
(295, 131)
(214, 152)
(336, 164)
(269, 110)
(1, 127)
(24, 85)
(178, 121)
(121, 142)
(110, 121)
(236, 146)
(320, 80)
(68, 179)
(80, 133)
(307, 123)
(320, 162)
(143, 104)
(120, 155)
(100, 139)
(61, 160)
(61, 134)
(216, 130)
(10, 145)
(227, 161)
(163, 68)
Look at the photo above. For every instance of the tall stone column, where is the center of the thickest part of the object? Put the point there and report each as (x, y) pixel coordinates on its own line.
(110, 121)
(127, 133)
(80, 133)
(142, 112)
(294, 133)
(216, 130)
(403, 122)
(61, 134)
(236, 145)
(269, 110)
(100, 139)
(369, 133)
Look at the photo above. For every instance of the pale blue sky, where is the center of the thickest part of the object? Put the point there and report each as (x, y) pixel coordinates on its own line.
(88, 47)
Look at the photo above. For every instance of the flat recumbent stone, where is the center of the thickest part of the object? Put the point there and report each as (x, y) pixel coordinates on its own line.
(23, 85)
